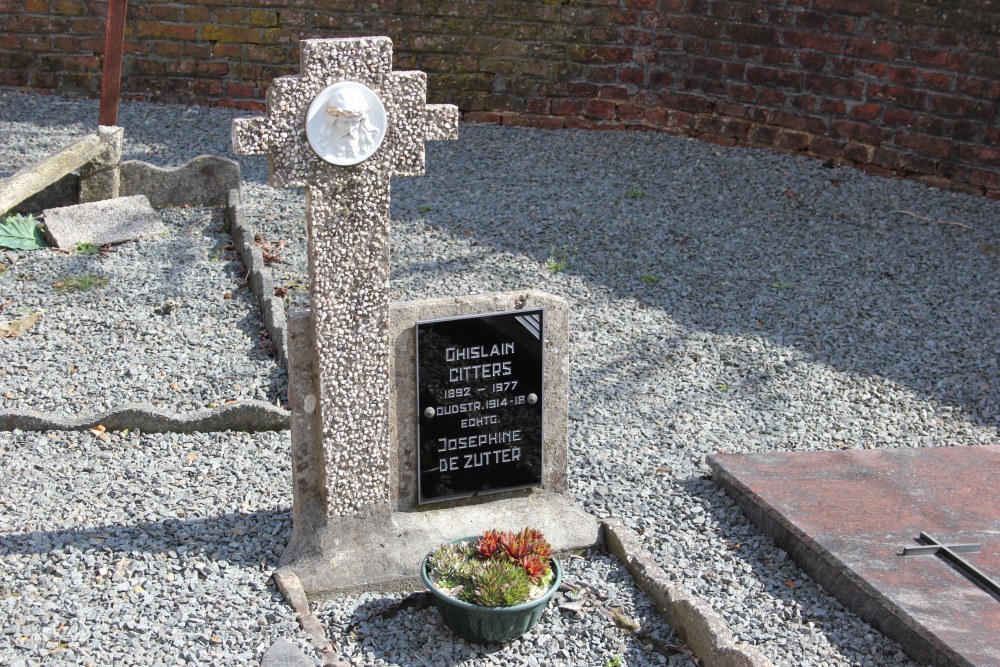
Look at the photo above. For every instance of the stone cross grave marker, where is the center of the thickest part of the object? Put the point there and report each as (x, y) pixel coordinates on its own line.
(341, 129)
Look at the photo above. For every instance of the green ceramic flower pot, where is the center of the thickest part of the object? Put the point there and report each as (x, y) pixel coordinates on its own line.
(489, 625)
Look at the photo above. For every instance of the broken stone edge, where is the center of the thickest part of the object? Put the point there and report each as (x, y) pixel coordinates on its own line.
(245, 416)
(205, 180)
(702, 629)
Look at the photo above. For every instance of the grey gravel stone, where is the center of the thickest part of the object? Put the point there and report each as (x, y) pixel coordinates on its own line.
(722, 299)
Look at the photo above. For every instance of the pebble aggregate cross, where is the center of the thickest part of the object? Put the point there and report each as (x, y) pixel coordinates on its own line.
(347, 212)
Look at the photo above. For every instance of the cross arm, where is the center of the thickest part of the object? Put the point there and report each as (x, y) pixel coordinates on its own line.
(442, 122)
(249, 137)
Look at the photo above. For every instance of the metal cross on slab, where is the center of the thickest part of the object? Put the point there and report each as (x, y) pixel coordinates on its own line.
(949, 552)
(341, 129)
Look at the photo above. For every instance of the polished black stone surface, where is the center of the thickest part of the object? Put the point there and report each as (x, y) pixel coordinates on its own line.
(479, 404)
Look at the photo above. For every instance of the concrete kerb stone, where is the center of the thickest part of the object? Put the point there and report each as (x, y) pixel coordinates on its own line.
(203, 181)
(244, 416)
(272, 308)
(100, 178)
(291, 588)
(701, 629)
(103, 149)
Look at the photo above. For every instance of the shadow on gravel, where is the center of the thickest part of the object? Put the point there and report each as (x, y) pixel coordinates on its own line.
(802, 600)
(245, 539)
(871, 276)
(411, 632)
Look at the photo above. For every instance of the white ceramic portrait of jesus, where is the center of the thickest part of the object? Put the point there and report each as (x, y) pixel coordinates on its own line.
(345, 123)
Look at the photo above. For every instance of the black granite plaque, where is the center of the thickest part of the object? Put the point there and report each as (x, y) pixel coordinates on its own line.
(479, 404)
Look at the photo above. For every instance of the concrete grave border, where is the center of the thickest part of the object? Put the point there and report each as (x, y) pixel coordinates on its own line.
(171, 187)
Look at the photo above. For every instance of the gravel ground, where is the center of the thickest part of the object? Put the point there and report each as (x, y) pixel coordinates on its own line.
(722, 300)
(119, 326)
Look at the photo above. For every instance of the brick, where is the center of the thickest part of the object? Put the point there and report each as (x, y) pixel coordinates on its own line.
(599, 109)
(742, 92)
(827, 43)
(69, 7)
(263, 18)
(966, 108)
(749, 33)
(868, 111)
(985, 178)
(863, 132)
(858, 152)
(738, 129)
(981, 155)
(697, 25)
(874, 70)
(217, 33)
(613, 93)
(165, 49)
(804, 102)
(971, 86)
(770, 76)
(778, 56)
(812, 60)
(915, 99)
(810, 20)
(792, 140)
(903, 75)
(763, 135)
(685, 102)
(195, 15)
(794, 121)
(156, 30)
(835, 86)
(771, 97)
(566, 107)
(165, 13)
(929, 57)
(922, 143)
(632, 75)
(846, 6)
(826, 146)
(936, 80)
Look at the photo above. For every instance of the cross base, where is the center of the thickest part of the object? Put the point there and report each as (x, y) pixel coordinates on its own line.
(380, 546)
(382, 550)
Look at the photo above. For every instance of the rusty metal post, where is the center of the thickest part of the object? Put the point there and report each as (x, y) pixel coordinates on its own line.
(111, 74)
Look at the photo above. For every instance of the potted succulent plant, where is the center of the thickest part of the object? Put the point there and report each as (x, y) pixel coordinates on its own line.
(494, 587)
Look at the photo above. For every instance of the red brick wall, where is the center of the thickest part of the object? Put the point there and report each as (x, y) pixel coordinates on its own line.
(900, 87)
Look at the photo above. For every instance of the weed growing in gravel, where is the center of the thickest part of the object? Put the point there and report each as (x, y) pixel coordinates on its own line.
(86, 249)
(83, 283)
(635, 193)
(650, 279)
(425, 209)
(782, 284)
(559, 260)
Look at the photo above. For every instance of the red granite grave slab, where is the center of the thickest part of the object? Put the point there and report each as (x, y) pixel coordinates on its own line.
(845, 517)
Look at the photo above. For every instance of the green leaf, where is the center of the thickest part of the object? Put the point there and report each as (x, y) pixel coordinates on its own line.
(21, 232)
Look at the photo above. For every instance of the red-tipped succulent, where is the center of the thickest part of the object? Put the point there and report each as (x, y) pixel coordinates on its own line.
(489, 543)
(535, 566)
